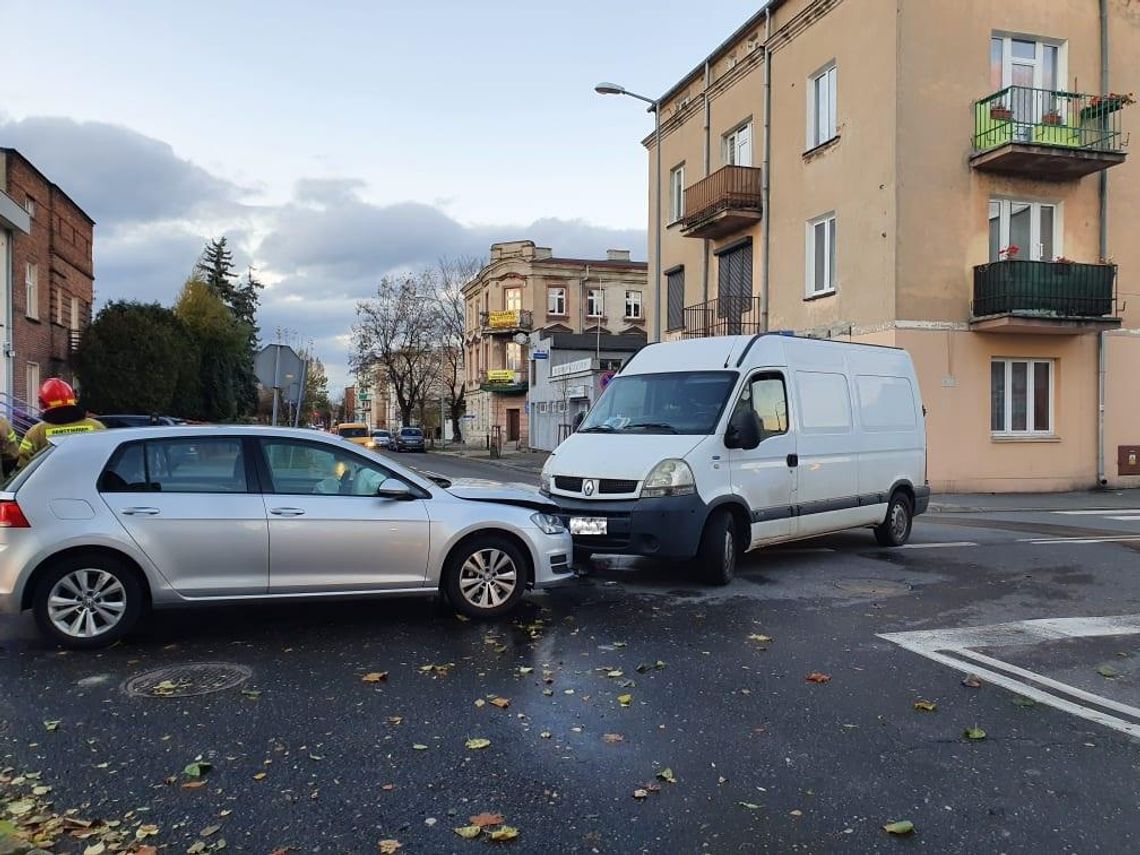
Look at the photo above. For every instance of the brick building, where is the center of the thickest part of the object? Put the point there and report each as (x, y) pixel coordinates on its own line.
(52, 278)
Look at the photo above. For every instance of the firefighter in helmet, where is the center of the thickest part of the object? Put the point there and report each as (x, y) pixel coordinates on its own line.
(61, 415)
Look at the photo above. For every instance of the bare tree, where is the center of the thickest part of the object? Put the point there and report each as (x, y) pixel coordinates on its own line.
(453, 274)
(394, 334)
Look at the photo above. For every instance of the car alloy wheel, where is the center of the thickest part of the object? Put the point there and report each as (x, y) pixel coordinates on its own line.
(488, 578)
(87, 603)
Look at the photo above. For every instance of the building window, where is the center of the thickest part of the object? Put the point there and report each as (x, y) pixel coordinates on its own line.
(556, 301)
(512, 299)
(594, 303)
(1024, 231)
(32, 291)
(514, 356)
(1021, 397)
(633, 304)
(821, 277)
(57, 306)
(32, 377)
(675, 289)
(75, 313)
(677, 194)
(821, 110)
(738, 146)
(30, 206)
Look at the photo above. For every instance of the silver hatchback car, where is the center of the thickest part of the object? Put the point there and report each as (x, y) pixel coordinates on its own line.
(100, 527)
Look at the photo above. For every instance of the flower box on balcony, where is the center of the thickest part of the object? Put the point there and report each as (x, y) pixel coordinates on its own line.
(1002, 114)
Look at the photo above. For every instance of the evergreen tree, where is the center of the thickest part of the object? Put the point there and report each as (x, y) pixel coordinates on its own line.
(215, 267)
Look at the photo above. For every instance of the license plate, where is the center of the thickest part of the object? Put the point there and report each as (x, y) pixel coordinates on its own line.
(588, 525)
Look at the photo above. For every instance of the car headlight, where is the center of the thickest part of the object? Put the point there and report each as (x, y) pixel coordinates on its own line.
(670, 477)
(548, 523)
(370, 444)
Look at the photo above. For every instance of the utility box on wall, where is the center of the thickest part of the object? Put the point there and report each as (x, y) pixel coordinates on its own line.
(1128, 460)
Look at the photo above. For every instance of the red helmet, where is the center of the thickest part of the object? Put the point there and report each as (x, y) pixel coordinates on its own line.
(55, 393)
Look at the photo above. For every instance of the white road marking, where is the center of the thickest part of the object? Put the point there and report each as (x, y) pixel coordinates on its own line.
(1078, 541)
(1102, 511)
(943, 545)
(1125, 519)
(944, 645)
(812, 550)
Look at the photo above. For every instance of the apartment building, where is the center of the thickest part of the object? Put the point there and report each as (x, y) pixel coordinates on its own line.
(14, 220)
(53, 277)
(525, 288)
(951, 178)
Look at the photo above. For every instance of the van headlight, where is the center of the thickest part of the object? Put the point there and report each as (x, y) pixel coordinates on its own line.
(548, 523)
(671, 477)
(544, 477)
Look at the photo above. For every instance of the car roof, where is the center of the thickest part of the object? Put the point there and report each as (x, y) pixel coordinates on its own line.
(153, 432)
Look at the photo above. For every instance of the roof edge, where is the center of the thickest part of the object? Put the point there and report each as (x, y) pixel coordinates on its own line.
(48, 181)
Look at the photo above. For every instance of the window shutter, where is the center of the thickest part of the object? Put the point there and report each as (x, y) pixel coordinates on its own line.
(676, 289)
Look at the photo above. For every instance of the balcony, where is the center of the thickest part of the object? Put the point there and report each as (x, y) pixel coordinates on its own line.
(727, 201)
(506, 322)
(505, 381)
(1040, 133)
(726, 316)
(1051, 297)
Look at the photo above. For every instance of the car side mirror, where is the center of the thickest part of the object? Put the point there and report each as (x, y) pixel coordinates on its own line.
(393, 490)
(743, 432)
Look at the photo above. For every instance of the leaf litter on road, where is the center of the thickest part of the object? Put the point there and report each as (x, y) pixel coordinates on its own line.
(1108, 672)
(667, 775)
(390, 847)
(900, 827)
(972, 681)
(374, 677)
(478, 743)
(974, 732)
(818, 677)
(925, 706)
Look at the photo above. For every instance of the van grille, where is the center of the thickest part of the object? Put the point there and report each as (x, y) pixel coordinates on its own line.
(613, 485)
(570, 485)
(606, 486)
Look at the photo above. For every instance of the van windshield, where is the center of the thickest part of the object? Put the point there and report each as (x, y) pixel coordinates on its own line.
(682, 402)
(352, 432)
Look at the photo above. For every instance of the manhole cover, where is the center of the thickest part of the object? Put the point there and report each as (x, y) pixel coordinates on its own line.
(185, 681)
(879, 587)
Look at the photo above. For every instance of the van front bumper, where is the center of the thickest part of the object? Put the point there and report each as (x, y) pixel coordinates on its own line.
(667, 527)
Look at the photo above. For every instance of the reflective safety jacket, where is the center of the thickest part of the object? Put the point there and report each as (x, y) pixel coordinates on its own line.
(39, 434)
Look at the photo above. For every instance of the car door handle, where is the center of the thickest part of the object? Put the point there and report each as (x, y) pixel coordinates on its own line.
(793, 461)
(287, 512)
(139, 512)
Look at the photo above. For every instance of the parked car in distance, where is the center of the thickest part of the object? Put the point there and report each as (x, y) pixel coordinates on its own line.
(133, 420)
(710, 447)
(410, 439)
(356, 433)
(381, 438)
(100, 527)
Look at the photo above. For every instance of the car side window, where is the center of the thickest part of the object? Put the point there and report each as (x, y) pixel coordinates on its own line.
(766, 396)
(183, 465)
(303, 469)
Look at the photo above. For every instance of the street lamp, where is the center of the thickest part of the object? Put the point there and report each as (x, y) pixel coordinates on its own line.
(655, 109)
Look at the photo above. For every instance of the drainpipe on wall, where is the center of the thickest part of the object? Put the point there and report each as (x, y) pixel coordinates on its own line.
(1101, 342)
(705, 174)
(766, 167)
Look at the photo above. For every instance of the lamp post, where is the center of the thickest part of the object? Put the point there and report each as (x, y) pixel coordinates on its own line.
(655, 109)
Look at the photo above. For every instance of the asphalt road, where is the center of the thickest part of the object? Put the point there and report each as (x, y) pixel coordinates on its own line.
(313, 758)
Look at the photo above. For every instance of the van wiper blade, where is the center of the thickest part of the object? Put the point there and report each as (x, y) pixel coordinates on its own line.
(597, 429)
(661, 426)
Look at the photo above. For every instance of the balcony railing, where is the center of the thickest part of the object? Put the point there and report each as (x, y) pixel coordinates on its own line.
(1044, 289)
(1048, 133)
(726, 316)
(728, 200)
(506, 321)
(505, 380)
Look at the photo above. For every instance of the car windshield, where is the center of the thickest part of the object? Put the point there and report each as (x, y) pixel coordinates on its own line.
(412, 432)
(683, 402)
(379, 434)
(352, 432)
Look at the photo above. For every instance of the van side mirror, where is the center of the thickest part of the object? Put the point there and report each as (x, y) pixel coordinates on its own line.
(743, 431)
(396, 491)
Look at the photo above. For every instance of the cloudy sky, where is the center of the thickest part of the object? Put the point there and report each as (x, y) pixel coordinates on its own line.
(333, 143)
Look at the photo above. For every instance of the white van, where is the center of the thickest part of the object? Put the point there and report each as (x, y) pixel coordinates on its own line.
(709, 447)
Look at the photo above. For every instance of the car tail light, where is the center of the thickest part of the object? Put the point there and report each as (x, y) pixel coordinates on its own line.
(11, 516)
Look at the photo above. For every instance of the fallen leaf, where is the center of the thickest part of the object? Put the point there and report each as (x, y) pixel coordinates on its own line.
(145, 831)
(193, 785)
(95, 849)
(797, 813)
(974, 733)
(148, 850)
(468, 832)
(972, 681)
(500, 648)
(501, 703)
(388, 787)
(504, 833)
(902, 827)
(196, 848)
(1024, 702)
(749, 805)
(52, 726)
(653, 788)
(545, 734)
(818, 677)
(763, 639)
(625, 700)
(419, 746)
(395, 719)
(612, 738)
(197, 769)
(641, 794)
(1106, 671)
(210, 830)
(478, 743)
(374, 677)
(486, 818)
(925, 706)
(260, 776)
(252, 694)
(21, 807)
(525, 669)
(614, 673)
(480, 703)
(390, 847)
(666, 774)
(40, 790)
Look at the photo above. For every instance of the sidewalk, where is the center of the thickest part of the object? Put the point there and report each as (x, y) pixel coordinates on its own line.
(1083, 500)
(525, 461)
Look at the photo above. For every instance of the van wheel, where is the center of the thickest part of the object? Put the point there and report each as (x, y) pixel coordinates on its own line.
(716, 555)
(895, 529)
(87, 602)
